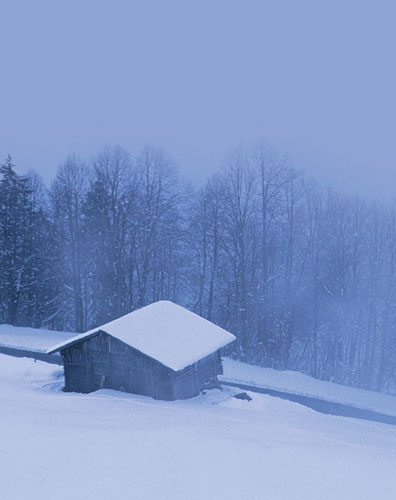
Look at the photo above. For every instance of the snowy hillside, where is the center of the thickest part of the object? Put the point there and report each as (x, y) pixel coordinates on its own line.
(110, 445)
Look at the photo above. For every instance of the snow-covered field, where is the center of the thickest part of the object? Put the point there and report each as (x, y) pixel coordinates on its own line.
(114, 446)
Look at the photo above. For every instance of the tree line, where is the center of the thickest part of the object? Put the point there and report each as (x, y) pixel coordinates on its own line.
(302, 275)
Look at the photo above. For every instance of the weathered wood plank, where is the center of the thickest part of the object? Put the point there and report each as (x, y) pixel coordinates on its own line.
(103, 361)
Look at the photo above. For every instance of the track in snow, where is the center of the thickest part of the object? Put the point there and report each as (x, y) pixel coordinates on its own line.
(317, 404)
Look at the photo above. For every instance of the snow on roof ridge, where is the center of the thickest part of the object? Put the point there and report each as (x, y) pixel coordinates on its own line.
(173, 335)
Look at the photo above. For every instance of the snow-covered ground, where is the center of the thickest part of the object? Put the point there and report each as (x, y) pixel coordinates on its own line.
(114, 446)
(298, 383)
(286, 381)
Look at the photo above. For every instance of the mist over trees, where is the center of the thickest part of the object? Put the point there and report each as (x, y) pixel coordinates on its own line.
(303, 276)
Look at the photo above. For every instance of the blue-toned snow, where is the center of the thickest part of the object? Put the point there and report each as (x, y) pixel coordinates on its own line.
(114, 446)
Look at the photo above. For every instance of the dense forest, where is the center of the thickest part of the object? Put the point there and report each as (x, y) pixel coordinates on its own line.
(304, 276)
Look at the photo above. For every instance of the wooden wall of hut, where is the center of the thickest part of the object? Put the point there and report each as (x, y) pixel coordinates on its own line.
(102, 361)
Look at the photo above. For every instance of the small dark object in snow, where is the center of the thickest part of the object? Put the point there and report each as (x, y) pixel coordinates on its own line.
(243, 395)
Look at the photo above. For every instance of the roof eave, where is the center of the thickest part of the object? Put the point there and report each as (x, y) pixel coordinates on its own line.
(75, 340)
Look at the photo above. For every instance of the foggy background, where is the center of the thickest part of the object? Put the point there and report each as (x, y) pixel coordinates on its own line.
(313, 79)
(303, 275)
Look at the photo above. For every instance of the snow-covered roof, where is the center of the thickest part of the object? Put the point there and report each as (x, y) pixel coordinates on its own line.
(165, 332)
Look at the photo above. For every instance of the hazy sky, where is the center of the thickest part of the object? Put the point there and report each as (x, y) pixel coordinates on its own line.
(315, 79)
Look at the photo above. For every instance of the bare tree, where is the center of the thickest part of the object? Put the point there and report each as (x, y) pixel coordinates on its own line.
(67, 196)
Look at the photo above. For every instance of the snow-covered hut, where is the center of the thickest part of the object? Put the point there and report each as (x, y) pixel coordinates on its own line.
(161, 350)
